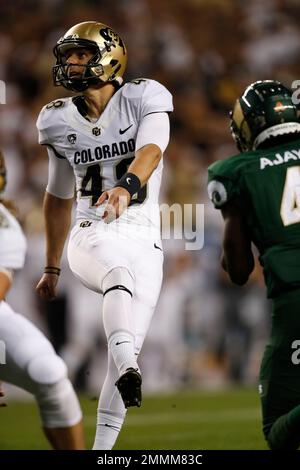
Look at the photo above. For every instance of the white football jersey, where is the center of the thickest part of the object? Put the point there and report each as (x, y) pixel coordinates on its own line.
(12, 241)
(100, 152)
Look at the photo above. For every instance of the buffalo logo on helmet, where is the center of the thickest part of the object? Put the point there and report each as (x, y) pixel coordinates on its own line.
(111, 39)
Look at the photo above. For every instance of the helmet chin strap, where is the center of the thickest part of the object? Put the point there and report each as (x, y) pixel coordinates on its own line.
(78, 84)
(83, 83)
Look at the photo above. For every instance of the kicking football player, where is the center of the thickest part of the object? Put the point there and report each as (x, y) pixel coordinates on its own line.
(258, 194)
(30, 360)
(108, 141)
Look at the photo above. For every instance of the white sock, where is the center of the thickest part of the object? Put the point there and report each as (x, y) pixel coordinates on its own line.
(121, 346)
(111, 410)
(108, 428)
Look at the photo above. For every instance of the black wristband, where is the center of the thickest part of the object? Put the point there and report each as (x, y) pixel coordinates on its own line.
(131, 182)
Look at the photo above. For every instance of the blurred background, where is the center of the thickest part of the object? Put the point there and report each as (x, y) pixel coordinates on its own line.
(205, 332)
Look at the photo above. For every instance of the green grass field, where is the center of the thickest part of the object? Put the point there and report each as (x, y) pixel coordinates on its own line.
(190, 420)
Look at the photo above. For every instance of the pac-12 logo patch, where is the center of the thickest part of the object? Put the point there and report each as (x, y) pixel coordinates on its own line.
(72, 138)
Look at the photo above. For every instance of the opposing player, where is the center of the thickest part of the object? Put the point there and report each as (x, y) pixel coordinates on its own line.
(109, 140)
(30, 360)
(258, 194)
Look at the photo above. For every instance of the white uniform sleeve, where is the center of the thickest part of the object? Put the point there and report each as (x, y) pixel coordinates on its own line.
(154, 129)
(52, 127)
(42, 129)
(61, 179)
(12, 241)
(156, 99)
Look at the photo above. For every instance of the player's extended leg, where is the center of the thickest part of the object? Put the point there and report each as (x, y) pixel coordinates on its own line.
(111, 410)
(280, 376)
(32, 364)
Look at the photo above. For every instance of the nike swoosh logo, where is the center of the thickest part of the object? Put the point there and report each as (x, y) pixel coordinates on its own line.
(117, 344)
(158, 247)
(125, 130)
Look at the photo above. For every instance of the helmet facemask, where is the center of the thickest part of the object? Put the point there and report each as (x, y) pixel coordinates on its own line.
(92, 71)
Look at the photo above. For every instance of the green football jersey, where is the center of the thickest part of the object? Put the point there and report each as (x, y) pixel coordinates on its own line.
(266, 185)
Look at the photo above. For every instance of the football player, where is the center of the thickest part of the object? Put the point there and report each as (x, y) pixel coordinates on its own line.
(107, 141)
(30, 360)
(258, 194)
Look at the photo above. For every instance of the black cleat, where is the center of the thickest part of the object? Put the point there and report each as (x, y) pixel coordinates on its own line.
(129, 386)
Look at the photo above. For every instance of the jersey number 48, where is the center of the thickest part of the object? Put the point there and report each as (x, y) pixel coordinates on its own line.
(92, 183)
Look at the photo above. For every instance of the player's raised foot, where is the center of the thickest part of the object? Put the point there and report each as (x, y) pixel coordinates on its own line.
(130, 387)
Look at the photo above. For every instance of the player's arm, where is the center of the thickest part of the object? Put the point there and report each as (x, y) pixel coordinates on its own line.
(237, 258)
(152, 140)
(57, 214)
(146, 160)
(58, 202)
(154, 130)
(5, 282)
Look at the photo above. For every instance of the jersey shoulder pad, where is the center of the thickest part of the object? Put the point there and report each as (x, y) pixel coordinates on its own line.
(51, 122)
(223, 179)
(150, 96)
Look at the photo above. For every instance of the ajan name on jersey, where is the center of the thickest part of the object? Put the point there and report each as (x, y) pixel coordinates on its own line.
(279, 159)
(105, 151)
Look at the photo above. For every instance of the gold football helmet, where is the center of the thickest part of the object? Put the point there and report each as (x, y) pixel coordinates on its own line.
(2, 173)
(107, 64)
